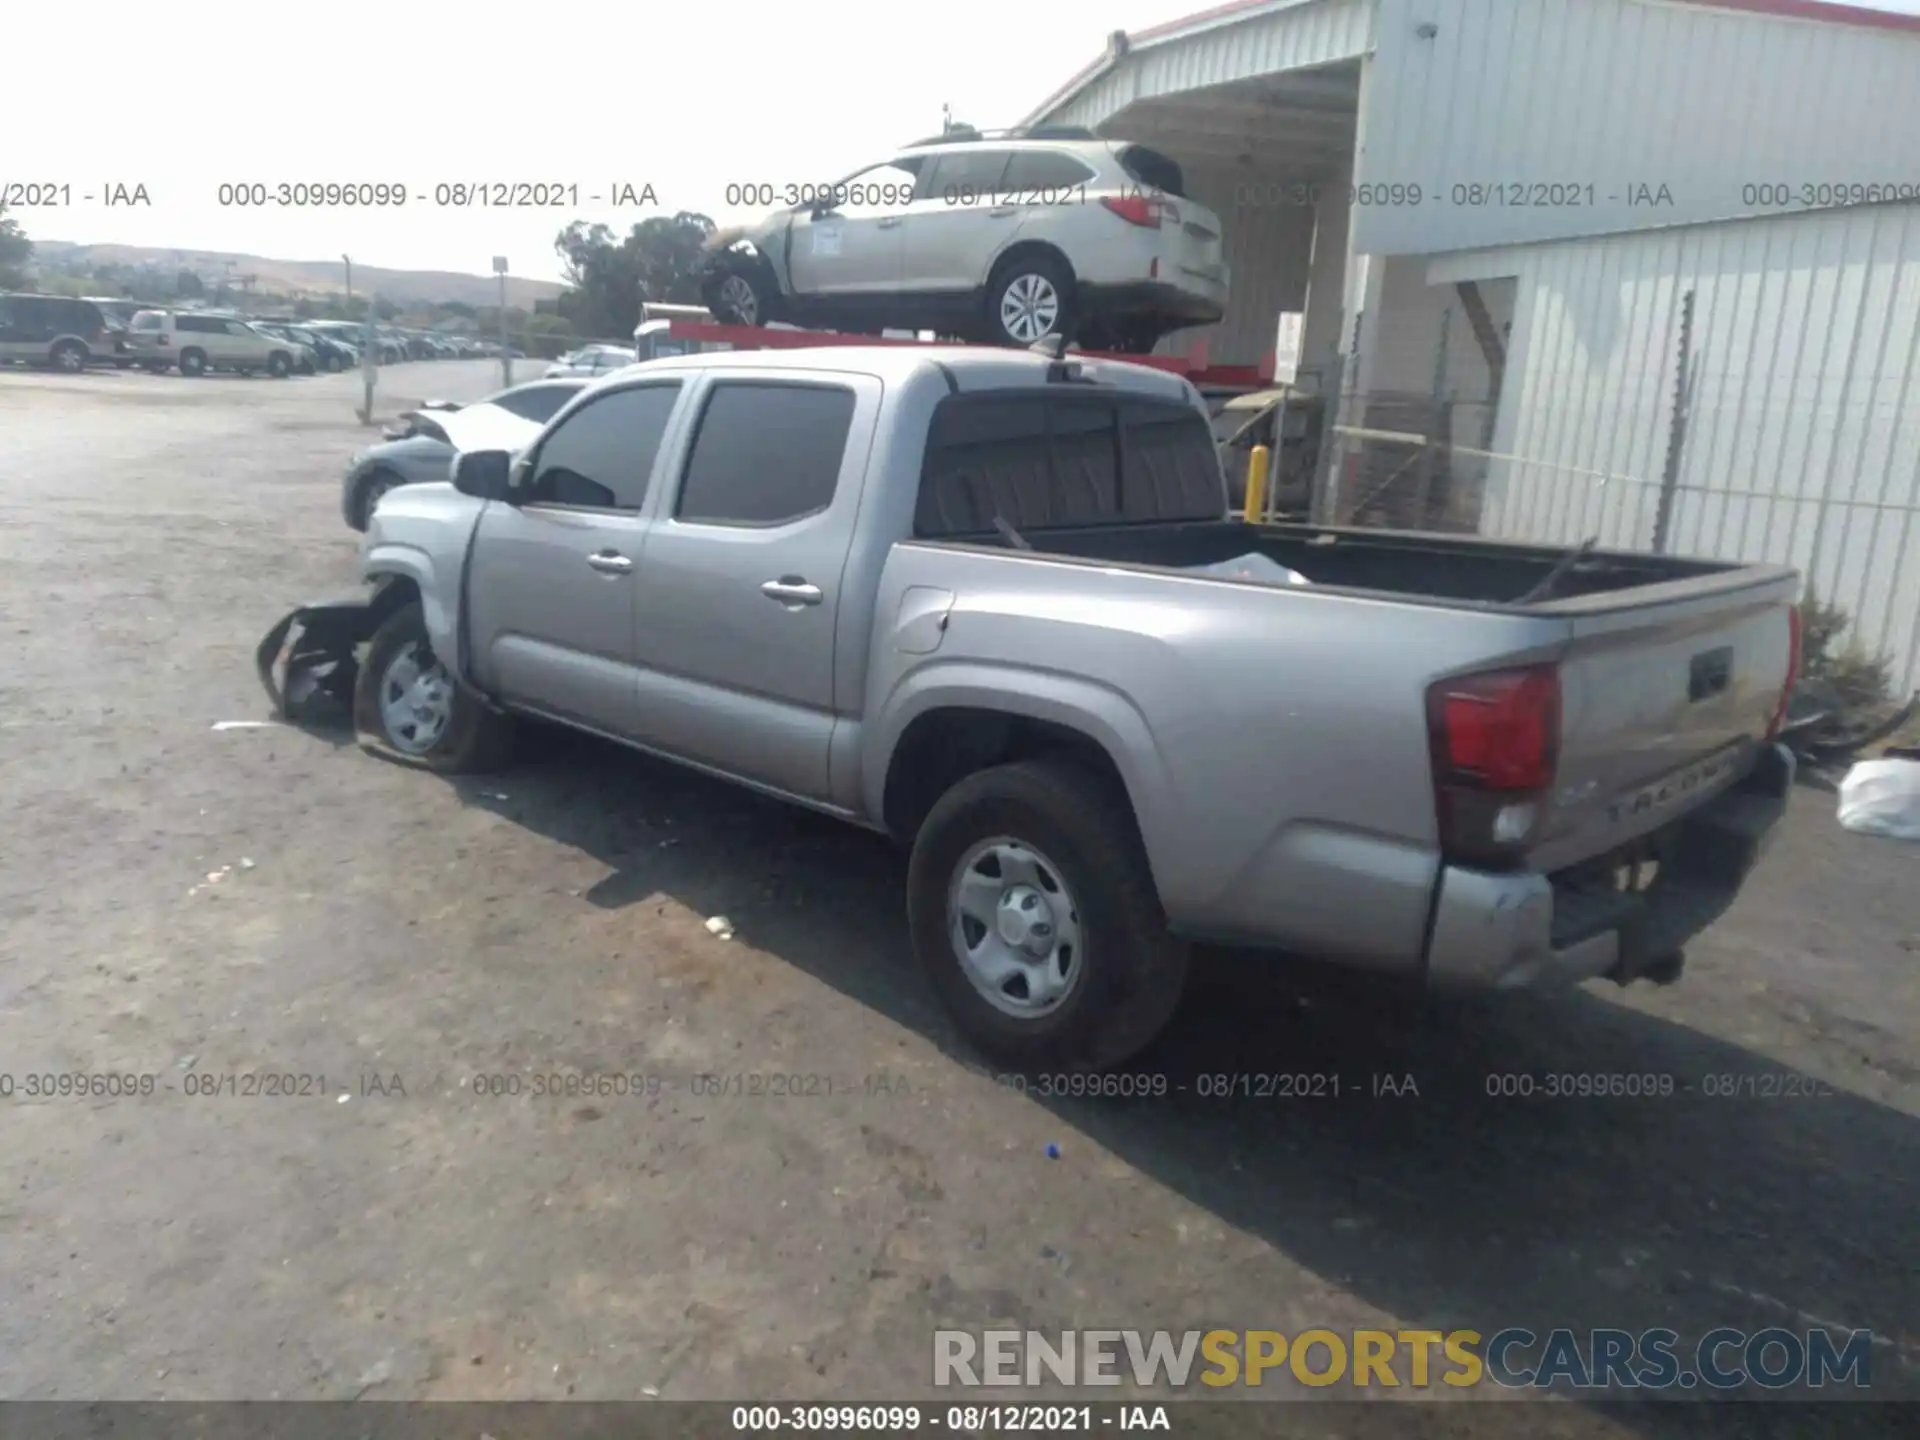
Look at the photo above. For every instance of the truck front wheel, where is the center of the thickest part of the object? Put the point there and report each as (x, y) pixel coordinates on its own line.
(407, 706)
(1034, 912)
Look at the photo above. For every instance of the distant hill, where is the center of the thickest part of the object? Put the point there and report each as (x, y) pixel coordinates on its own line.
(313, 277)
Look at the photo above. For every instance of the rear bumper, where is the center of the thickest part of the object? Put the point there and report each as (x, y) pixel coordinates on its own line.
(1202, 305)
(1511, 931)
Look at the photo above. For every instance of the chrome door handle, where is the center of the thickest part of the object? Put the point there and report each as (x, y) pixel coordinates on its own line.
(888, 224)
(1003, 211)
(791, 590)
(610, 562)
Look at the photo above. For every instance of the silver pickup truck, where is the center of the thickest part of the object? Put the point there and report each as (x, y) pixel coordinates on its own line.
(992, 603)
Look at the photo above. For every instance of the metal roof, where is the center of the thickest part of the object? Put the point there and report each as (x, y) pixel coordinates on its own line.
(1121, 45)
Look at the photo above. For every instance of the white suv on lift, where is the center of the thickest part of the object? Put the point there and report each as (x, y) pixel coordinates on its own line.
(198, 342)
(1008, 239)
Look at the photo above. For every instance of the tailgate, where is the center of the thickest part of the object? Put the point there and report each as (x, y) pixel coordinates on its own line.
(1665, 693)
(1193, 233)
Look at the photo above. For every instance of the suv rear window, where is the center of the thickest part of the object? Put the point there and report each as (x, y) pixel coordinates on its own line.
(1154, 170)
(1053, 460)
(150, 320)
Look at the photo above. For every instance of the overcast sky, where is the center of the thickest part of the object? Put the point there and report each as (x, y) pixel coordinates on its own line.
(591, 93)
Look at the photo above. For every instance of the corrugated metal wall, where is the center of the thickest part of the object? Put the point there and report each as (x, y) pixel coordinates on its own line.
(1605, 101)
(1268, 249)
(1803, 444)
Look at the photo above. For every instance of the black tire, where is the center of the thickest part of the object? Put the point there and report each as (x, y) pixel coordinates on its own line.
(193, 362)
(335, 364)
(1034, 269)
(158, 367)
(740, 294)
(1132, 969)
(279, 365)
(475, 738)
(69, 357)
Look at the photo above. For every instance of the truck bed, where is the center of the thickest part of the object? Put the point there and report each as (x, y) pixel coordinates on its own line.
(1407, 565)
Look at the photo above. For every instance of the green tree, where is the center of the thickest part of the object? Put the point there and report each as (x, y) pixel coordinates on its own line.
(607, 280)
(15, 251)
(187, 285)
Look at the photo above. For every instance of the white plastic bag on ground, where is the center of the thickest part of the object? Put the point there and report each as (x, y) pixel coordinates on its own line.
(1882, 797)
(1251, 566)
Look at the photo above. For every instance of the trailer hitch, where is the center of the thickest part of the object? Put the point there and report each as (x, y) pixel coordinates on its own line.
(307, 661)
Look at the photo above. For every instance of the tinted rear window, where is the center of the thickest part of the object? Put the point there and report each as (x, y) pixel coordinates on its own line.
(1054, 460)
(1153, 170)
(766, 454)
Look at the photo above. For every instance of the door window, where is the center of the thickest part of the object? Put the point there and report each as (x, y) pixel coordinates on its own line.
(601, 456)
(878, 190)
(966, 177)
(1044, 177)
(766, 454)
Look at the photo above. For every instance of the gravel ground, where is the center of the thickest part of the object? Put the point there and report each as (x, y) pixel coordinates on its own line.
(394, 932)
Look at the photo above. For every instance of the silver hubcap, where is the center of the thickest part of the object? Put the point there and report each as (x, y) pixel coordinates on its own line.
(1029, 308)
(737, 295)
(1014, 927)
(416, 700)
(71, 359)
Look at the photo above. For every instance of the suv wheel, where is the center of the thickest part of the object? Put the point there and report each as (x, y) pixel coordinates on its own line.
(1029, 299)
(1033, 909)
(193, 361)
(739, 296)
(278, 364)
(69, 356)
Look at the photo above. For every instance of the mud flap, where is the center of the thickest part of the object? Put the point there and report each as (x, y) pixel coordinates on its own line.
(307, 663)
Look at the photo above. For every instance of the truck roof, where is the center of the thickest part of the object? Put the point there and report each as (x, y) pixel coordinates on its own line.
(973, 367)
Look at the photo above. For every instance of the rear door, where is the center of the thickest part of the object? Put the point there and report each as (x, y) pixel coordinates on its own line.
(740, 592)
(552, 579)
(960, 219)
(1662, 701)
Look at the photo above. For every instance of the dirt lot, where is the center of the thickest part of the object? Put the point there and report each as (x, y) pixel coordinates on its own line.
(390, 931)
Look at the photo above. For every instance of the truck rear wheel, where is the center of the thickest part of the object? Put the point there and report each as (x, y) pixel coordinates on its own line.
(407, 707)
(1034, 912)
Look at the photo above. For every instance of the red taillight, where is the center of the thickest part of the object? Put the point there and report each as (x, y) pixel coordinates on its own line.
(1793, 673)
(1495, 741)
(1135, 210)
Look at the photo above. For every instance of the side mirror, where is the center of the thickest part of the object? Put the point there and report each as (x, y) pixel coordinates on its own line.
(483, 474)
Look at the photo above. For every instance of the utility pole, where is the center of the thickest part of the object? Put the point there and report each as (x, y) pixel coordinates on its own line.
(347, 260)
(369, 363)
(506, 350)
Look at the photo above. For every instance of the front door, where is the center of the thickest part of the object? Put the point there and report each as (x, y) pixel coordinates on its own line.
(552, 579)
(852, 245)
(740, 599)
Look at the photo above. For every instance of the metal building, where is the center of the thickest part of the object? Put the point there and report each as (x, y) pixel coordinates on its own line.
(1641, 269)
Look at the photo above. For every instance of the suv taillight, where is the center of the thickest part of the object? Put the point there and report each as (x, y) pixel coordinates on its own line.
(1793, 673)
(1495, 741)
(1135, 210)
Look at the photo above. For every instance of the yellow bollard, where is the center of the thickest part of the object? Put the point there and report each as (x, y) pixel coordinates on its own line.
(1259, 459)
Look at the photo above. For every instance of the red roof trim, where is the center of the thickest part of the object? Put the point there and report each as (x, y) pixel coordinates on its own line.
(1780, 9)
(1811, 10)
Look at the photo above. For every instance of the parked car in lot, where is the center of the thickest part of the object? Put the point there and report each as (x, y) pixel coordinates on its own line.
(1009, 239)
(307, 358)
(990, 603)
(422, 450)
(199, 341)
(54, 330)
(119, 314)
(592, 360)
